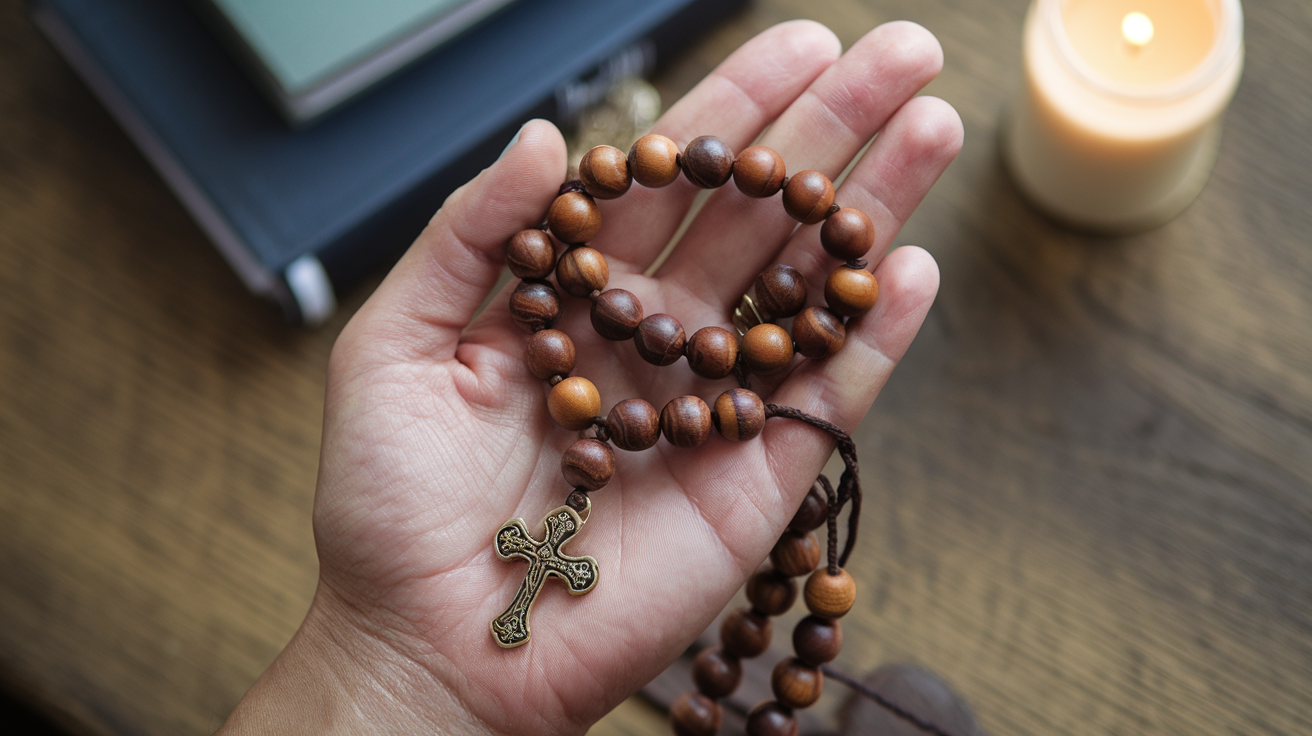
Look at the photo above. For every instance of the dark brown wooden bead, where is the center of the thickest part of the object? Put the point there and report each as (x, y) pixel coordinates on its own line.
(817, 640)
(530, 254)
(659, 339)
(686, 421)
(712, 352)
(573, 403)
(574, 218)
(812, 513)
(634, 425)
(694, 714)
(549, 353)
(818, 332)
(745, 634)
(534, 305)
(851, 292)
(739, 414)
(808, 196)
(848, 234)
(795, 554)
(796, 684)
(582, 270)
(830, 596)
(654, 161)
(771, 719)
(616, 314)
(707, 162)
(770, 592)
(780, 291)
(715, 673)
(767, 349)
(758, 171)
(604, 172)
(588, 464)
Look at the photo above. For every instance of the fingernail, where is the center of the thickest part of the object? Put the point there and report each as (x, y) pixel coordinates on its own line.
(512, 142)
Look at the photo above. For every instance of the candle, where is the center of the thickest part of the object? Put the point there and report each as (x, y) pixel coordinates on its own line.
(1118, 128)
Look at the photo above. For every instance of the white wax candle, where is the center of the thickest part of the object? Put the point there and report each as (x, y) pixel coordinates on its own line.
(1118, 126)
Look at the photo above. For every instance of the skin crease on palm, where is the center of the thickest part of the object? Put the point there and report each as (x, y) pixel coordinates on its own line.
(435, 433)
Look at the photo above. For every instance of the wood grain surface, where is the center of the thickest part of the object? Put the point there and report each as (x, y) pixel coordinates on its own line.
(1089, 485)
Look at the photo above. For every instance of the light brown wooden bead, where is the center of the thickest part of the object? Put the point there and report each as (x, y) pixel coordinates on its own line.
(795, 554)
(616, 314)
(851, 292)
(707, 162)
(771, 719)
(694, 714)
(712, 352)
(530, 254)
(573, 403)
(604, 172)
(574, 218)
(588, 463)
(830, 596)
(654, 161)
(549, 353)
(813, 512)
(818, 332)
(715, 673)
(686, 421)
(817, 640)
(758, 171)
(534, 305)
(767, 349)
(796, 684)
(780, 291)
(770, 592)
(659, 339)
(633, 425)
(808, 196)
(739, 414)
(848, 234)
(581, 271)
(744, 634)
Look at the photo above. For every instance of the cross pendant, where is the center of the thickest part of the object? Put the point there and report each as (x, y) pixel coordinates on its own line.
(513, 541)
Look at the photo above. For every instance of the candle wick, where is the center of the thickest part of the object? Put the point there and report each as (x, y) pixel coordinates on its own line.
(1137, 29)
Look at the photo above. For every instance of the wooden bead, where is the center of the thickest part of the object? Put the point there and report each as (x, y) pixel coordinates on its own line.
(604, 172)
(573, 403)
(780, 291)
(830, 596)
(771, 593)
(848, 234)
(694, 714)
(581, 271)
(767, 349)
(818, 332)
(659, 339)
(549, 353)
(588, 464)
(771, 719)
(534, 305)
(851, 292)
(707, 162)
(758, 171)
(654, 161)
(808, 196)
(796, 684)
(817, 640)
(745, 634)
(686, 421)
(616, 314)
(712, 352)
(739, 414)
(634, 425)
(715, 673)
(813, 512)
(530, 254)
(795, 554)
(574, 218)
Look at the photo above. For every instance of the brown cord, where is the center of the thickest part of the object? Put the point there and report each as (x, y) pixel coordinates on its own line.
(869, 692)
(573, 185)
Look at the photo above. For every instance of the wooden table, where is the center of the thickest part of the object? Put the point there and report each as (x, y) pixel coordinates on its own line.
(1090, 483)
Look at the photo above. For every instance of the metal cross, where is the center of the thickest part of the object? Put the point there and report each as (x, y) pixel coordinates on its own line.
(512, 541)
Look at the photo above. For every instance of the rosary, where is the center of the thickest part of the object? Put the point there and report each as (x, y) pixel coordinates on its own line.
(761, 347)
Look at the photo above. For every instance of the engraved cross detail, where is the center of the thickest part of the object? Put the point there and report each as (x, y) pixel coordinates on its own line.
(545, 559)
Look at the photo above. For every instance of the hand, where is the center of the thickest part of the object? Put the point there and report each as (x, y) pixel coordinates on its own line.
(435, 433)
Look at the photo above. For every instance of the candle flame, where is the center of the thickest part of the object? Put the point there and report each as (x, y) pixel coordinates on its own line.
(1137, 29)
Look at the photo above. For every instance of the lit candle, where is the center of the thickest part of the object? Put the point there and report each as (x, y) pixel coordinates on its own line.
(1119, 125)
